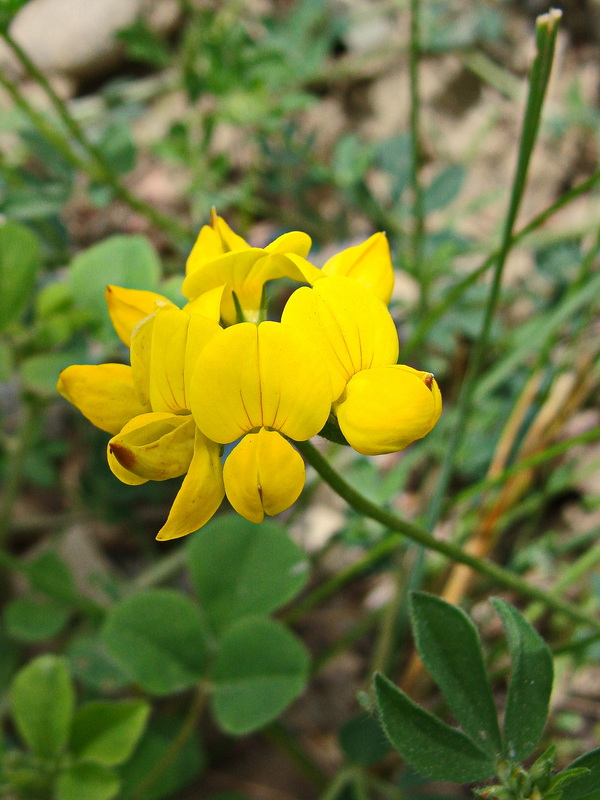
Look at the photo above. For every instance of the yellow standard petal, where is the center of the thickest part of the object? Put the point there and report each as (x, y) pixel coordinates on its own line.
(158, 448)
(251, 377)
(104, 393)
(351, 327)
(213, 240)
(128, 306)
(384, 409)
(201, 492)
(369, 263)
(263, 474)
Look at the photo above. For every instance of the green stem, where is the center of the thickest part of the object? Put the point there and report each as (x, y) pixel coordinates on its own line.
(418, 214)
(104, 170)
(187, 729)
(547, 30)
(280, 737)
(417, 534)
(16, 458)
(454, 294)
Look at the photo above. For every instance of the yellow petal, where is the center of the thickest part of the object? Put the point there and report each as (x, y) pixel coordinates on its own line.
(263, 474)
(351, 328)
(201, 492)
(167, 358)
(369, 263)
(139, 356)
(104, 393)
(158, 448)
(230, 270)
(250, 377)
(128, 306)
(384, 409)
(207, 304)
(123, 474)
(293, 242)
(164, 349)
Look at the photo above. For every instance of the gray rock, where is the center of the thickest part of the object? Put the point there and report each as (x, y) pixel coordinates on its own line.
(76, 38)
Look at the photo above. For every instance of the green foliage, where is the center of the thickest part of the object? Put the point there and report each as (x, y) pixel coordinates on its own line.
(455, 662)
(431, 746)
(268, 569)
(128, 261)
(530, 683)
(42, 702)
(107, 733)
(449, 647)
(32, 620)
(260, 668)
(20, 262)
(159, 637)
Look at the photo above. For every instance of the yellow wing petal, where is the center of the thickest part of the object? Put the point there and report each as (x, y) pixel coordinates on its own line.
(369, 263)
(127, 307)
(104, 393)
(158, 448)
(263, 474)
(201, 492)
(384, 409)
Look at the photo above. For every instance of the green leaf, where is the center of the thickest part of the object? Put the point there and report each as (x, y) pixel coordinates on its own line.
(127, 261)
(585, 787)
(94, 666)
(530, 683)
(7, 362)
(449, 646)
(32, 621)
(50, 574)
(85, 781)
(39, 373)
(106, 732)
(260, 668)
(362, 739)
(444, 188)
(9, 660)
(429, 745)
(240, 569)
(42, 700)
(178, 772)
(20, 260)
(159, 638)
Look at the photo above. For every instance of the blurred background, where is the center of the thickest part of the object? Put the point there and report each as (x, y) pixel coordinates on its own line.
(295, 115)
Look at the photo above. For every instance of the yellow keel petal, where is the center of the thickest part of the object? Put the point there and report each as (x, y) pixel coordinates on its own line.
(159, 448)
(263, 474)
(384, 409)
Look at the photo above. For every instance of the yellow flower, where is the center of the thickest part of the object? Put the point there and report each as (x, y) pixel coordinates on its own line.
(222, 260)
(369, 263)
(145, 407)
(260, 384)
(381, 407)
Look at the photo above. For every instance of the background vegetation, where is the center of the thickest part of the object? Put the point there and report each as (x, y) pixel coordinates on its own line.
(338, 119)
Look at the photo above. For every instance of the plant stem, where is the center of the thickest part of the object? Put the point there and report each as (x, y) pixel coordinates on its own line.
(16, 458)
(417, 534)
(418, 215)
(103, 169)
(187, 729)
(547, 30)
(280, 737)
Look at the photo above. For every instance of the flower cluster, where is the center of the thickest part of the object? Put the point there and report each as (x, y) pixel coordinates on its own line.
(214, 378)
